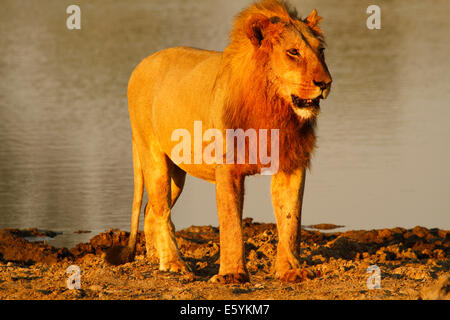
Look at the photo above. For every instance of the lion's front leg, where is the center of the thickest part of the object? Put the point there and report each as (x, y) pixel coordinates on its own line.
(287, 195)
(229, 195)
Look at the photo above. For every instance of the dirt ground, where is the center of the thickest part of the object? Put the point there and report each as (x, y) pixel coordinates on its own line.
(414, 264)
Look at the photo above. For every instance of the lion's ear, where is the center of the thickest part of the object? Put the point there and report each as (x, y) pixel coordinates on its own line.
(313, 20)
(255, 28)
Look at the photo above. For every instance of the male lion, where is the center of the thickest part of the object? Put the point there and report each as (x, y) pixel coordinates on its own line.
(271, 75)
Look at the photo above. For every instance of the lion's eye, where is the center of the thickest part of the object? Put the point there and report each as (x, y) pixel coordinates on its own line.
(293, 52)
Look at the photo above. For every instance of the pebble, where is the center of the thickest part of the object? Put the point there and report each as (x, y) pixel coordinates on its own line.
(96, 287)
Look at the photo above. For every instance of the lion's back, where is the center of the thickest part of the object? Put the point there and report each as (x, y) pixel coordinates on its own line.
(173, 78)
(164, 65)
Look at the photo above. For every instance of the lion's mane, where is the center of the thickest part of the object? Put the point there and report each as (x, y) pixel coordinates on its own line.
(252, 99)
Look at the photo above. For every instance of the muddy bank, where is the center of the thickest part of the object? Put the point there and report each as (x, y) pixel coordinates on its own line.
(414, 264)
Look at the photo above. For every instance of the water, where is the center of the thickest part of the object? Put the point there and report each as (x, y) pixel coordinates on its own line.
(65, 155)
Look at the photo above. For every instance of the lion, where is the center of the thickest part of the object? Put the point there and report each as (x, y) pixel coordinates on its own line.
(272, 74)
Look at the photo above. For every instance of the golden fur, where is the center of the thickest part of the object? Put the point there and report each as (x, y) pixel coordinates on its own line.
(271, 75)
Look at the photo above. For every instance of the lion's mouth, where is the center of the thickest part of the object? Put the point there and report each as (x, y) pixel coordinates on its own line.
(305, 103)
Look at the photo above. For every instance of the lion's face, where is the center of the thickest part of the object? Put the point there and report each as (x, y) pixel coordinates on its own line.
(299, 70)
(297, 67)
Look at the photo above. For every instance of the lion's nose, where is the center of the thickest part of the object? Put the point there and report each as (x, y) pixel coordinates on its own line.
(325, 86)
(322, 84)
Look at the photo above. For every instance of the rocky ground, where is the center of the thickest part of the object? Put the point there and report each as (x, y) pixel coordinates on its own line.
(414, 264)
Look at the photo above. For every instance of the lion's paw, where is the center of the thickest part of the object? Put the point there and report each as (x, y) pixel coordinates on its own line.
(176, 266)
(298, 275)
(230, 278)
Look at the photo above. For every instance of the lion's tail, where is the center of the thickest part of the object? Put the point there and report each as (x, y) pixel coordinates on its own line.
(119, 254)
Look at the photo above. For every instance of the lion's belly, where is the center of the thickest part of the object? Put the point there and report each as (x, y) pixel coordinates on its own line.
(206, 173)
(179, 142)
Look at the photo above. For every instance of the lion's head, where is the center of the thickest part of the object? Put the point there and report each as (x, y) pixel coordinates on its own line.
(296, 64)
(287, 53)
(275, 74)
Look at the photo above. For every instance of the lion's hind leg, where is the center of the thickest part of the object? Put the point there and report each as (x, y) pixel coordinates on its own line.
(160, 177)
(178, 177)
